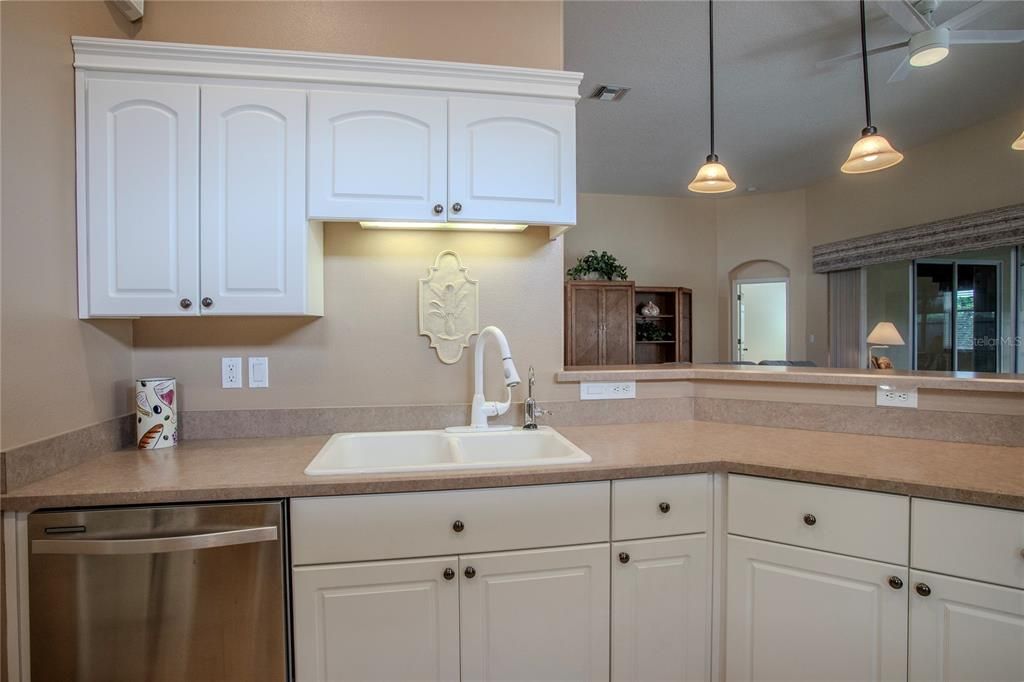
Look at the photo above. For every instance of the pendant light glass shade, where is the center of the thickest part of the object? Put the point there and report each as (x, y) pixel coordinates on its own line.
(1018, 144)
(712, 178)
(871, 152)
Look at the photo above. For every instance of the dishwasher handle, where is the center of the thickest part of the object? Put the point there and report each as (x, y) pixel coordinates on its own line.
(176, 543)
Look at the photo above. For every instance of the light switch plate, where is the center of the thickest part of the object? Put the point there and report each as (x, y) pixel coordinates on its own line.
(231, 372)
(607, 390)
(890, 396)
(259, 372)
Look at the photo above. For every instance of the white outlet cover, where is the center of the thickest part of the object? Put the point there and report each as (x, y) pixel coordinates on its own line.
(893, 396)
(259, 373)
(607, 390)
(231, 372)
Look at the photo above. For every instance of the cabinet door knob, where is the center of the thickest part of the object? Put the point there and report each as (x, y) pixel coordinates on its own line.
(810, 519)
(456, 207)
(623, 557)
(438, 209)
(207, 301)
(923, 589)
(665, 507)
(449, 573)
(895, 582)
(458, 526)
(185, 303)
(470, 572)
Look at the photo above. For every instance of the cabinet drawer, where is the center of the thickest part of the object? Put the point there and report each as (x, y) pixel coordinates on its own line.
(637, 510)
(980, 543)
(367, 527)
(854, 522)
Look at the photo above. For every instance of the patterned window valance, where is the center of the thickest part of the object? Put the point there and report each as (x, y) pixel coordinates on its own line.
(982, 230)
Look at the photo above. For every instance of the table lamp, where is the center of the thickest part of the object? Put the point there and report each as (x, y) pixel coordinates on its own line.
(883, 335)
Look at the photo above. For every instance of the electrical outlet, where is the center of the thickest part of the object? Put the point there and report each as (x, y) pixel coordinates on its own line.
(890, 396)
(259, 373)
(231, 372)
(607, 390)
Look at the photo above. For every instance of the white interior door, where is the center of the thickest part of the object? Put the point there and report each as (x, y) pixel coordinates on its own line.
(142, 198)
(254, 228)
(535, 615)
(377, 156)
(511, 161)
(382, 620)
(660, 609)
(762, 318)
(802, 615)
(965, 630)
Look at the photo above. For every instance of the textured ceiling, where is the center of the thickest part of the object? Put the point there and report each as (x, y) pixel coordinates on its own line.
(781, 123)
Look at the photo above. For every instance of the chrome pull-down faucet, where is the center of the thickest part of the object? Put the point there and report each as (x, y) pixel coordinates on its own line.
(532, 411)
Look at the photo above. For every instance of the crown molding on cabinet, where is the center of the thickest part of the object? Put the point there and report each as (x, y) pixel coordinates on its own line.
(139, 56)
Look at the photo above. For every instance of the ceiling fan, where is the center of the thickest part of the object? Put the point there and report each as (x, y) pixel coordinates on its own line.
(929, 42)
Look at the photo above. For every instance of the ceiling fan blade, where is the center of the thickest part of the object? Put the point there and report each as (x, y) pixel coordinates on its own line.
(901, 71)
(969, 14)
(828, 63)
(904, 14)
(982, 37)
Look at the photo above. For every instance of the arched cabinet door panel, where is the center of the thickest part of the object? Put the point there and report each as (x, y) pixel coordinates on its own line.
(512, 161)
(377, 156)
(254, 229)
(139, 196)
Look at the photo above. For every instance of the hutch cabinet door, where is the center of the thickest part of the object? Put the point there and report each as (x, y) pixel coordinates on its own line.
(599, 326)
(253, 219)
(660, 616)
(138, 189)
(377, 156)
(535, 615)
(804, 615)
(382, 620)
(511, 161)
(965, 630)
(618, 335)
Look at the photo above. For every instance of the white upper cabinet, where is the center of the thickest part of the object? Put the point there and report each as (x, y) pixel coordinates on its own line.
(138, 174)
(511, 161)
(253, 218)
(377, 156)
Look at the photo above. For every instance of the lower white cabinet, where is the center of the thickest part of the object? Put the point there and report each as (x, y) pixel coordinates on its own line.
(801, 614)
(381, 620)
(660, 617)
(535, 615)
(965, 630)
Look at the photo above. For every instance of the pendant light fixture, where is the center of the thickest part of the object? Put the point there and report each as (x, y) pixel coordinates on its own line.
(712, 178)
(1018, 144)
(871, 152)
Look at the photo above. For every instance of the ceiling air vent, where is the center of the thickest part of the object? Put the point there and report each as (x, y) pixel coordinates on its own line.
(609, 93)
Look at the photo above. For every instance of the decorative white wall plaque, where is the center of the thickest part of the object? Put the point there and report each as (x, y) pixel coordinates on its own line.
(449, 310)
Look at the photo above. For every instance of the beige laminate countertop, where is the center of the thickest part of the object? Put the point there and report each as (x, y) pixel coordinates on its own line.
(273, 467)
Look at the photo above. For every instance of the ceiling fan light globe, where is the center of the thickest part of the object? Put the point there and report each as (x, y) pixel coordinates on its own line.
(929, 47)
(1018, 144)
(712, 178)
(871, 153)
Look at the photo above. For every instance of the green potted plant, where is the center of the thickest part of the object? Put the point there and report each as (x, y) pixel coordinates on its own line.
(599, 266)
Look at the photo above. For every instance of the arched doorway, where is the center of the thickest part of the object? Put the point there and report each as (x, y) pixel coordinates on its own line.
(760, 311)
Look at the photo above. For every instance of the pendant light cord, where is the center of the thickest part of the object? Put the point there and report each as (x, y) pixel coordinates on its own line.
(864, 64)
(711, 62)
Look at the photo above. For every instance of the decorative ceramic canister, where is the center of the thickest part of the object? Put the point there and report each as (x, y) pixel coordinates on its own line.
(156, 413)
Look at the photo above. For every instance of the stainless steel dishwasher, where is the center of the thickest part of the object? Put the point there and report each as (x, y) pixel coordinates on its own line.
(159, 593)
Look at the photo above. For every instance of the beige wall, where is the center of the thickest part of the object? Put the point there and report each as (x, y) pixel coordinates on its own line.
(663, 241)
(60, 374)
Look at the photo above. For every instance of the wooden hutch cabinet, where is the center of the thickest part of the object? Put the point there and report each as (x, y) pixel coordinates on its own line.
(599, 326)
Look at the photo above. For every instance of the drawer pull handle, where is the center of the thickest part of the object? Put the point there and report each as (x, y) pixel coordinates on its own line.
(458, 526)
(895, 582)
(470, 572)
(810, 519)
(665, 507)
(449, 573)
(623, 557)
(923, 589)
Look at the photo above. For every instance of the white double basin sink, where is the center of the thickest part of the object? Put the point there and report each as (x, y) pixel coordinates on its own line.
(414, 451)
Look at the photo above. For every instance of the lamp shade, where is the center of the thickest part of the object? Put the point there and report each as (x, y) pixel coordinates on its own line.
(885, 334)
(712, 178)
(1018, 144)
(871, 152)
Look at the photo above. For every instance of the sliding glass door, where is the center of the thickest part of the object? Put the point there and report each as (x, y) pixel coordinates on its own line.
(957, 315)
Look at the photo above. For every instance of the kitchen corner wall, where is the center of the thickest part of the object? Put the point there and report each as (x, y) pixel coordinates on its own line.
(61, 374)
